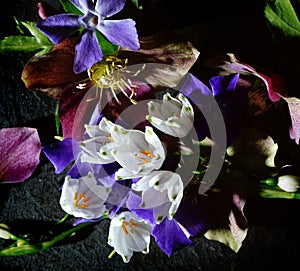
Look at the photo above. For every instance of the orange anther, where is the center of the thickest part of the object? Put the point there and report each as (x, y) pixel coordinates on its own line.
(82, 195)
(87, 199)
(132, 223)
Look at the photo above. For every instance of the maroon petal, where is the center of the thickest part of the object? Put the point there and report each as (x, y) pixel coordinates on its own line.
(52, 72)
(168, 48)
(19, 153)
(76, 105)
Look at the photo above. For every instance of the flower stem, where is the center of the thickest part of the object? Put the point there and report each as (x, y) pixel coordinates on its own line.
(63, 219)
(111, 254)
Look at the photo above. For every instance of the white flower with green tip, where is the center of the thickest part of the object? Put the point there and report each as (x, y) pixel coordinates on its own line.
(140, 154)
(103, 138)
(162, 191)
(174, 116)
(129, 233)
(84, 197)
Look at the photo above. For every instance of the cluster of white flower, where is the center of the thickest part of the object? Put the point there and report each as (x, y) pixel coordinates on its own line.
(140, 156)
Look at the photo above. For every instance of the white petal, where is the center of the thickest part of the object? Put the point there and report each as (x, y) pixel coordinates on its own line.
(128, 233)
(84, 197)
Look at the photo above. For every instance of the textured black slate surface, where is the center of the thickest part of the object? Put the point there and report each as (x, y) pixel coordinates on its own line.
(272, 240)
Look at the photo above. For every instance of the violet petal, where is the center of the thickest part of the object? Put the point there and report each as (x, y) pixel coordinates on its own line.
(62, 153)
(169, 236)
(59, 27)
(19, 153)
(108, 8)
(121, 32)
(87, 52)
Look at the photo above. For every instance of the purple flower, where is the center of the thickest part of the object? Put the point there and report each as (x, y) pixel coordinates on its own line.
(94, 18)
(231, 101)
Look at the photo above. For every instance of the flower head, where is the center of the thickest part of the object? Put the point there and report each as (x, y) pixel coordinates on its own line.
(103, 138)
(94, 19)
(141, 153)
(128, 233)
(174, 116)
(162, 192)
(84, 197)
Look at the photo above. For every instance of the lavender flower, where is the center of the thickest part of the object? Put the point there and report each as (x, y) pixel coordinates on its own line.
(94, 19)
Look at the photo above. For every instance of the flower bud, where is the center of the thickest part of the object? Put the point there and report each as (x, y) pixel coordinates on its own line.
(289, 183)
(4, 231)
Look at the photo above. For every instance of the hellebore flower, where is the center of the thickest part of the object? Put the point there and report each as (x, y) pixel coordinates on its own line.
(128, 233)
(20, 150)
(174, 116)
(140, 154)
(94, 18)
(84, 197)
(162, 192)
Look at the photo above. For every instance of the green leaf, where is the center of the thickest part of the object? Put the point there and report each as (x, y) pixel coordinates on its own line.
(22, 44)
(69, 7)
(282, 17)
(136, 4)
(38, 42)
(35, 32)
(106, 47)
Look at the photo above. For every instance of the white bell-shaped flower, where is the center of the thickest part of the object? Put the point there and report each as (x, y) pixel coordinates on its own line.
(173, 116)
(84, 197)
(129, 233)
(289, 183)
(140, 154)
(103, 138)
(162, 192)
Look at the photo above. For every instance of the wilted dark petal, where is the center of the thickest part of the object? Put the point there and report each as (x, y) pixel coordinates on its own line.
(169, 236)
(59, 27)
(76, 106)
(128, 114)
(87, 52)
(19, 153)
(228, 64)
(120, 32)
(166, 47)
(108, 8)
(52, 72)
(62, 153)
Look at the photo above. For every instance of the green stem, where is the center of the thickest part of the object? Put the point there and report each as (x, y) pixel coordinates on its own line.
(63, 219)
(28, 249)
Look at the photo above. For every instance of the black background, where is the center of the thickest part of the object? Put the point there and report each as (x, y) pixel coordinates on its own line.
(222, 26)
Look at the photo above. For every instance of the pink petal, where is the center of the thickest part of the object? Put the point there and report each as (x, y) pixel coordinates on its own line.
(294, 107)
(19, 153)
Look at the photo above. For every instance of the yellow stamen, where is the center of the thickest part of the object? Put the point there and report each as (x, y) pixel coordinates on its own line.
(124, 224)
(144, 159)
(82, 195)
(148, 153)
